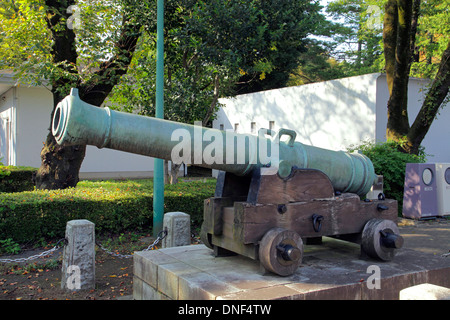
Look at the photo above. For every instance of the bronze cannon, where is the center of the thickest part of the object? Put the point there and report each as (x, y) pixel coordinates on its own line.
(272, 193)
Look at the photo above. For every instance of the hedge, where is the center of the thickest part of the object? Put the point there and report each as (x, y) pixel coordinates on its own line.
(113, 206)
(16, 179)
(389, 162)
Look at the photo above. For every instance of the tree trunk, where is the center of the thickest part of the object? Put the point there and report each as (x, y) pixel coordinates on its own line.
(430, 107)
(174, 172)
(397, 42)
(171, 177)
(60, 165)
(400, 26)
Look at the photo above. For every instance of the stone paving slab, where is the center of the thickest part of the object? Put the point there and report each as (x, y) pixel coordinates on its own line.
(333, 270)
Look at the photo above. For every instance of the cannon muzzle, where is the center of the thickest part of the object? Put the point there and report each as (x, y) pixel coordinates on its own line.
(76, 122)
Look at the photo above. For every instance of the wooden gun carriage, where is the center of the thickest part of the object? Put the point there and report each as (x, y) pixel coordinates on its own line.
(269, 218)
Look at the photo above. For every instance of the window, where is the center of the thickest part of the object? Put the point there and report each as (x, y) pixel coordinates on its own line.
(5, 133)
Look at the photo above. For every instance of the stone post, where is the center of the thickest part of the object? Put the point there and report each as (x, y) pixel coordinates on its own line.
(78, 266)
(178, 226)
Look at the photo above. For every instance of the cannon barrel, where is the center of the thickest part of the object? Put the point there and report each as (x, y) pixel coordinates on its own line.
(77, 122)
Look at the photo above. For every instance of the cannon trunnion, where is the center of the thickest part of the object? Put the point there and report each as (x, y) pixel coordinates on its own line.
(269, 218)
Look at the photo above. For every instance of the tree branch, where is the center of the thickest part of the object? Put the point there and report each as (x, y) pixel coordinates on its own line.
(63, 51)
(295, 73)
(390, 40)
(430, 107)
(213, 103)
(96, 89)
(414, 24)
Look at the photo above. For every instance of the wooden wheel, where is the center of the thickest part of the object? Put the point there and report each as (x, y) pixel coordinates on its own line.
(380, 238)
(281, 251)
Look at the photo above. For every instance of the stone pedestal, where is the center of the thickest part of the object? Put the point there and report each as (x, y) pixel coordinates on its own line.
(332, 270)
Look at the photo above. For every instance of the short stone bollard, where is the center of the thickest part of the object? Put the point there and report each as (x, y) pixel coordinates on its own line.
(178, 226)
(78, 266)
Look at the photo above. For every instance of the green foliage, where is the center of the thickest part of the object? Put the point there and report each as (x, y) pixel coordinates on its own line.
(188, 197)
(9, 246)
(357, 36)
(114, 207)
(391, 163)
(284, 29)
(25, 42)
(4, 172)
(316, 65)
(16, 179)
(212, 45)
(433, 34)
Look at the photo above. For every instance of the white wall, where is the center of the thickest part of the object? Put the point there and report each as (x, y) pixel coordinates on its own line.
(332, 114)
(7, 126)
(33, 108)
(107, 163)
(436, 141)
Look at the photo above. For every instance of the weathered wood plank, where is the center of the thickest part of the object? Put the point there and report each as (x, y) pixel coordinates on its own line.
(301, 185)
(248, 250)
(342, 215)
(228, 222)
(212, 214)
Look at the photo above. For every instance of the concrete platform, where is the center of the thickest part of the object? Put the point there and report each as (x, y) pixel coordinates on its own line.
(333, 270)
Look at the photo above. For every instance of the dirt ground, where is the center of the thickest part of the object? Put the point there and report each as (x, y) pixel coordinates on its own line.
(114, 280)
(41, 279)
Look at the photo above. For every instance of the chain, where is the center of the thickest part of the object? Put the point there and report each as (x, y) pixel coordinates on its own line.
(161, 235)
(36, 256)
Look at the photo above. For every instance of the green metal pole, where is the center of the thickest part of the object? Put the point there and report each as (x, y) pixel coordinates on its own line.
(158, 178)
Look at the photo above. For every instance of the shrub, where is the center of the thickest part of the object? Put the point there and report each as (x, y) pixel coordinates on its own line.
(189, 197)
(16, 179)
(114, 207)
(391, 163)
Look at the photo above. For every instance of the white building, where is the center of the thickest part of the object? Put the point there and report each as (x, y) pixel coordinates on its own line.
(24, 122)
(333, 114)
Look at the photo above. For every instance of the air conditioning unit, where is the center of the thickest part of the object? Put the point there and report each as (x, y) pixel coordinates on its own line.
(420, 191)
(443, 188)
